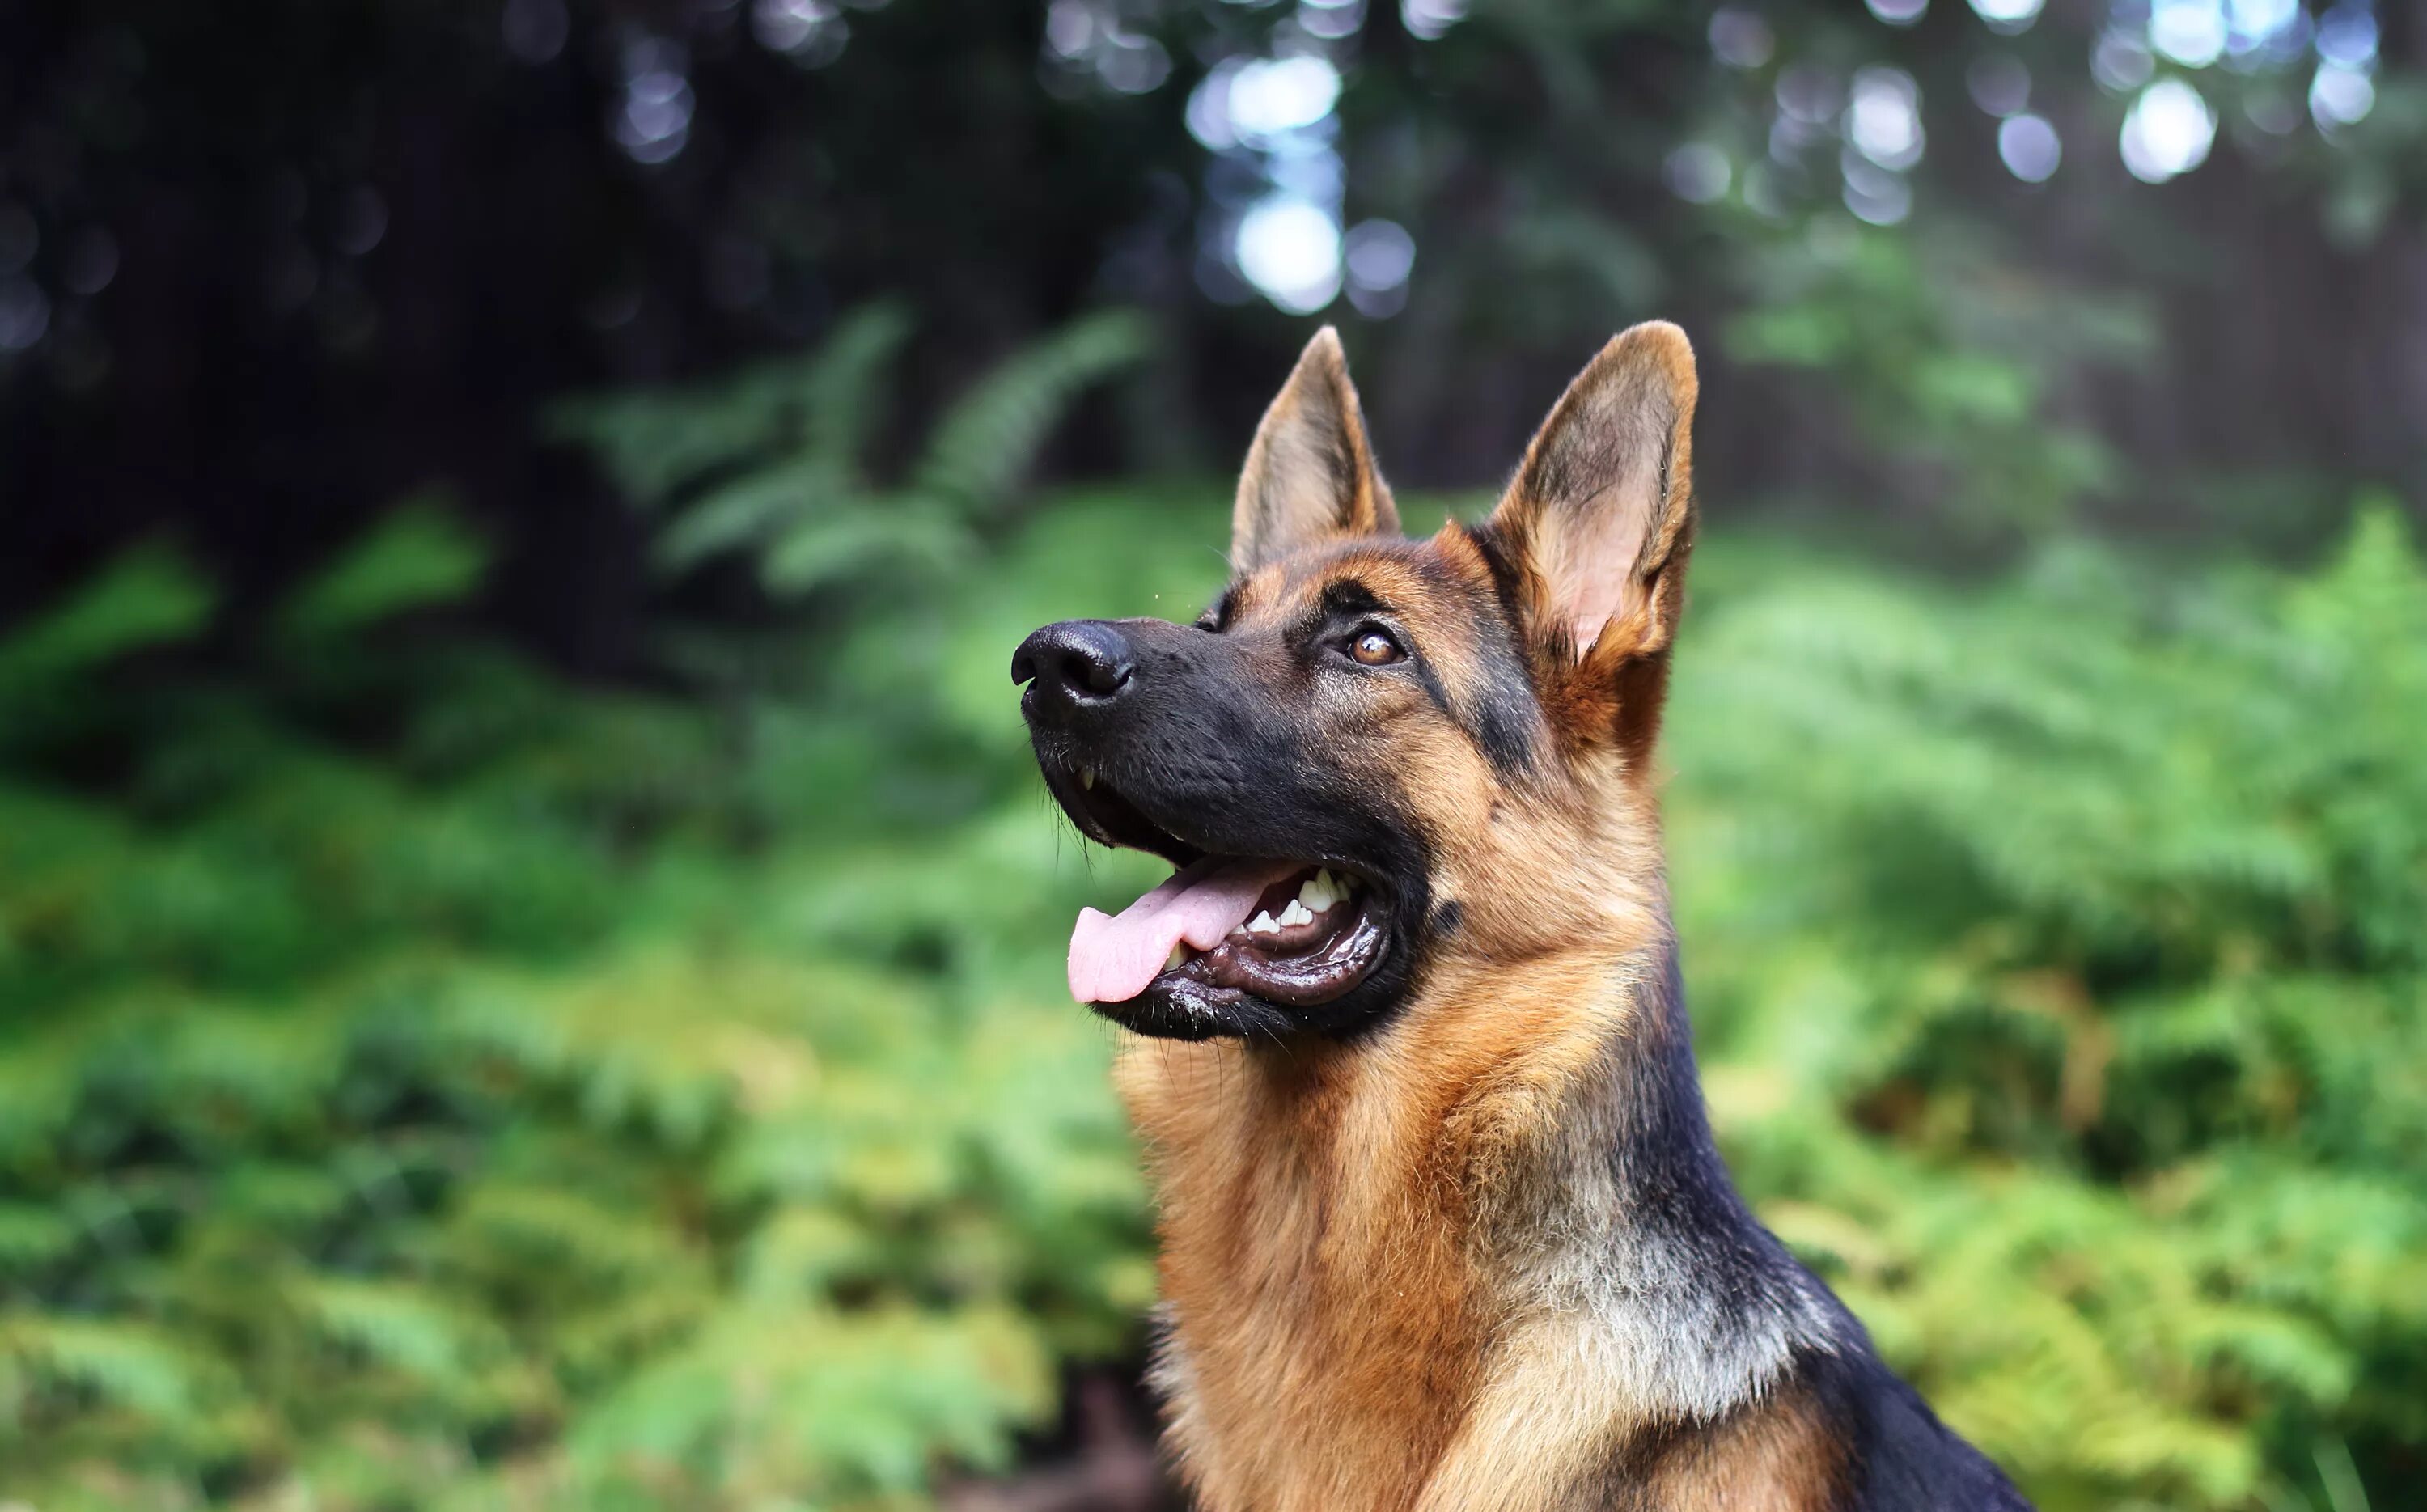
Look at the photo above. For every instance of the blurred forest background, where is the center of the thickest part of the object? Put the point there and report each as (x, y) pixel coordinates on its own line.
(529, 941)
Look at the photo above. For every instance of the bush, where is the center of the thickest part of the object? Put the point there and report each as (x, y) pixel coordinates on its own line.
(425, 1083)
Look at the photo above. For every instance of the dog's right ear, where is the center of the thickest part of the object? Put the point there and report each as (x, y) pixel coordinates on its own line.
(1601, 513)
(1310, 475)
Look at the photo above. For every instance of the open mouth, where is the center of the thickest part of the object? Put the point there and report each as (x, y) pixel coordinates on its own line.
(1293, 933)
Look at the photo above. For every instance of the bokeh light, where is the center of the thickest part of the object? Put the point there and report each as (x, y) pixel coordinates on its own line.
(2190, 32)
(1883, 117)
(653, 120)
(1290, 251)
(1740, 38)
(24, 313)
(1380, 256)
(2120, 61)
(2168, 131)
(2340, 96)
(1698, 171)
(1998, 83)
(2008, 16)
(1875, 194)
(534, 30)
(2029, 146)
(1428, 19)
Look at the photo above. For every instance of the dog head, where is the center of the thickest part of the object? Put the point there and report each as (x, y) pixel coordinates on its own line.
(1371, 754)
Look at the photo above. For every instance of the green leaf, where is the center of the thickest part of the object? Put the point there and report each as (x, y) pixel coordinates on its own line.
(148, 597)
(420, 555)
(987, 441)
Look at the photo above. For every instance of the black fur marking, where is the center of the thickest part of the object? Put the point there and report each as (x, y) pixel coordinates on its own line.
(1903, 1459)
(1505, 717)
(1502, 721)
(1448, 919)
(1899, 1457)
(1346, 595)
(1505, 582)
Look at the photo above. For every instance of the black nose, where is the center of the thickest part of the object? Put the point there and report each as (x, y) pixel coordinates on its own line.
(1084, 662)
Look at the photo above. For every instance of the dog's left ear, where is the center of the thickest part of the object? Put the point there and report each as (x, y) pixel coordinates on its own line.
(1601, 515)
(1310, 475)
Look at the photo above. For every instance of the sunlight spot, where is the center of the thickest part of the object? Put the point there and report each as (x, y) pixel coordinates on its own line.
(2347, 37)
(2340, 96)
(1290, 250)
(2008, 16)
(1427, 19)
(1883, 117)
(2030, 148)
(811, 31)
(2191, 32)
(1380, 256)
(1874, 194)
(2121, 62)
(1272, 97)
(2168, 131)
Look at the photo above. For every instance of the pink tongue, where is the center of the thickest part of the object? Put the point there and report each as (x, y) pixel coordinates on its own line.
(1111, 960)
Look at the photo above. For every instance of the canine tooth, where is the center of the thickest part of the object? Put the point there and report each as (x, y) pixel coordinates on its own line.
(1263, 923)
(1178, 958)
(1296, 913)
(1086, 776)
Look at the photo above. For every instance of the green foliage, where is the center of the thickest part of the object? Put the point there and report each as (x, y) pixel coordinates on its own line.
(772, 464)
(1941, 376)
(428, 1073)
(2061, 949)
(429, 1085)
(150, 596)
(418, 555)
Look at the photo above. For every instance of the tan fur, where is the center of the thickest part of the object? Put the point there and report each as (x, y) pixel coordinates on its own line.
(1336, 1217)
(1310, 473)
(1778, 1457)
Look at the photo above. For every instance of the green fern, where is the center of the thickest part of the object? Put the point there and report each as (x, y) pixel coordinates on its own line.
(773, 464)
(566, 1105)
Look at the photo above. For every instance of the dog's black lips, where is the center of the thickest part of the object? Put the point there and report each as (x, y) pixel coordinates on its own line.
(1236, 989)
(1107, 817)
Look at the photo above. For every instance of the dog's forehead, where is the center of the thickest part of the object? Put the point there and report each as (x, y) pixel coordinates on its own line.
(1435, 581)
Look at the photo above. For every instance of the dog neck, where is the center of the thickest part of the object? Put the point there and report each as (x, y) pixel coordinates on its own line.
(1358, 1237)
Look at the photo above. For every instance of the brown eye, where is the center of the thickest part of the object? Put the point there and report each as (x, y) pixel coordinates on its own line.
(1371, 648)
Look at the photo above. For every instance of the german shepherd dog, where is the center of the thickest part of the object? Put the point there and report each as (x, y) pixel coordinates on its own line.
(1443, 1225)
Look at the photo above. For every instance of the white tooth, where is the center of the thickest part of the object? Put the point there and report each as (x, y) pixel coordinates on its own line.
(1178, 958)
(1086, 776)
(1263, 923)
(1311, 894)
(1296, 914)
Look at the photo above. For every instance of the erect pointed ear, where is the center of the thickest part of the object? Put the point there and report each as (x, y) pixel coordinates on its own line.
(1310, 475)
(1601, 513)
